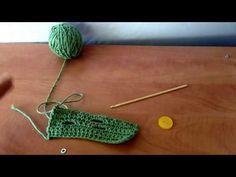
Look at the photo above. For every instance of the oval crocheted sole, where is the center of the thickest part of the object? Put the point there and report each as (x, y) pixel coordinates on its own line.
(66, 123)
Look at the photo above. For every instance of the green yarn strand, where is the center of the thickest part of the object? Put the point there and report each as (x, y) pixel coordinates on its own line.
(53, 88)
(13, 107)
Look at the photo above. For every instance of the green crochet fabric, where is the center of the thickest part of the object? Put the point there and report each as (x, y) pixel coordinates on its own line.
(66, 123)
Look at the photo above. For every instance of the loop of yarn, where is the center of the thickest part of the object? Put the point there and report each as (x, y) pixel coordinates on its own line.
(62, 103)
(65, 41)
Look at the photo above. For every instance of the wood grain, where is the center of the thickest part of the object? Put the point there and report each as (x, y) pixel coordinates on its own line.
(204, 114)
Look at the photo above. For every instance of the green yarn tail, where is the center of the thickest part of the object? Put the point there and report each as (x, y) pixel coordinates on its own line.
(13, 107)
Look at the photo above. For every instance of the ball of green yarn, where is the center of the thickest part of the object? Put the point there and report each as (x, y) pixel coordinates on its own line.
(65, 41)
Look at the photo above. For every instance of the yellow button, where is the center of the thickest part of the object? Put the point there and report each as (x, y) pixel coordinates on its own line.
(165, 122)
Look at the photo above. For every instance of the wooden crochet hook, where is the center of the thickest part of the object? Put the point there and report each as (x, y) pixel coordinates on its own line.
(149, 96)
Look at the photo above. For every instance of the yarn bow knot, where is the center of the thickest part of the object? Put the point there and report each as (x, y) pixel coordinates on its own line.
(59, 103)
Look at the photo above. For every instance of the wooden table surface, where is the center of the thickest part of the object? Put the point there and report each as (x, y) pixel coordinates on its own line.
(204, 114)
